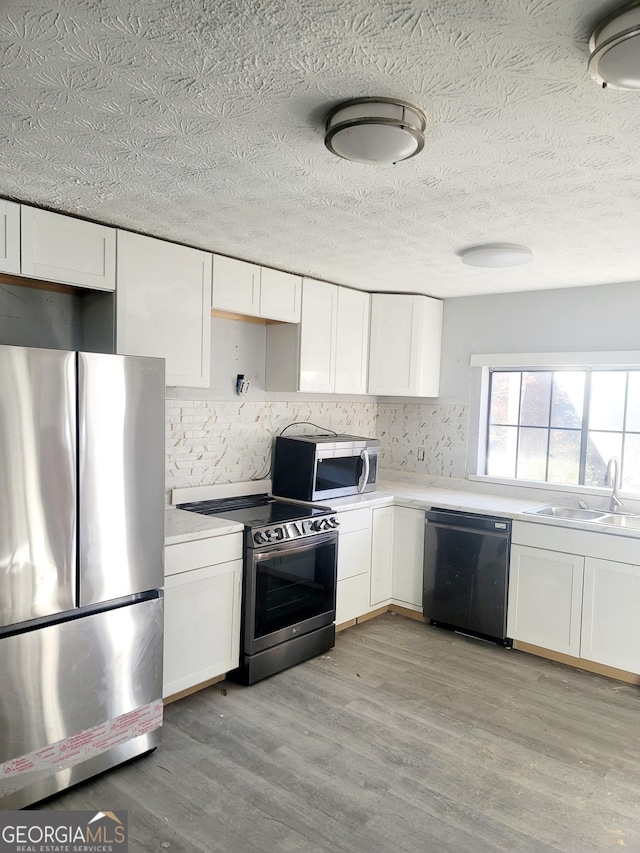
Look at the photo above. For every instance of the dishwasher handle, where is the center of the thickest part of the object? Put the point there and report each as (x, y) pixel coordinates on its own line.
(469, 521)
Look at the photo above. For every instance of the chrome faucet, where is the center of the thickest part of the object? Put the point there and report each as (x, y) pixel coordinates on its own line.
(612, 479)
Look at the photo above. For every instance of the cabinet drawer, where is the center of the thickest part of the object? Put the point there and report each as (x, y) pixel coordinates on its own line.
(354, 519)
(186, 556)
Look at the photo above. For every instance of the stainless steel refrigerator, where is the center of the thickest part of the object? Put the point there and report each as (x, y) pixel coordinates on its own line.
(81, 566)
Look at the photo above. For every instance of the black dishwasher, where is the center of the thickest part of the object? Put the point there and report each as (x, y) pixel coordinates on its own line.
(466, 573)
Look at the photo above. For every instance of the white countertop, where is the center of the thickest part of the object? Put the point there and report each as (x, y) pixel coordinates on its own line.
(183, 526)
(403, 490)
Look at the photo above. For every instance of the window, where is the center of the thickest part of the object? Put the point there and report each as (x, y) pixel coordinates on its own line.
(562, 426)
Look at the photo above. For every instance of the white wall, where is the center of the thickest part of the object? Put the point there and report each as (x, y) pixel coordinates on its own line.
(568, 320)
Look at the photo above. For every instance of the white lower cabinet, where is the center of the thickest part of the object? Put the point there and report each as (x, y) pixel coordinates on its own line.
(381, 555)
(201, 611)
(576, 601)
(354, 564)
(611, 614)
(408, 556)
(545, 598)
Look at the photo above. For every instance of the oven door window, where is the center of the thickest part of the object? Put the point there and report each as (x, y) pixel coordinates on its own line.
(293, 586)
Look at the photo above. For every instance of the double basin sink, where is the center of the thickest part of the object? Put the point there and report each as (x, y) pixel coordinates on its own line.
(625, 520)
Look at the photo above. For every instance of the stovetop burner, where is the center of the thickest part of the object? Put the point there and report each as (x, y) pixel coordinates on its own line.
(268, 520)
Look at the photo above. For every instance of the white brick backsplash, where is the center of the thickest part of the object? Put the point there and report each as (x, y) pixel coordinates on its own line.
(212, 442)
(440, 429)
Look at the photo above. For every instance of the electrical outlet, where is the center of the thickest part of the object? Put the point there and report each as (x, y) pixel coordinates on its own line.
(421, 454)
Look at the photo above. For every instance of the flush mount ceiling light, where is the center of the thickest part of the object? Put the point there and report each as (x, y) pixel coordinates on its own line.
(375, 130)
(615, 49)
(496, 255)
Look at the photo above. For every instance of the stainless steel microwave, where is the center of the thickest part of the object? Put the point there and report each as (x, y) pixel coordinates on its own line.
(318, 467)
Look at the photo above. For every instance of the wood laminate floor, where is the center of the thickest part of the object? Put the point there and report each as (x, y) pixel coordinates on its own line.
(402, 738)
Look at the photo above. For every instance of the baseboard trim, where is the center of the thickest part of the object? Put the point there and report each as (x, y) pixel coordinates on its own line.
(579, 663)
(406, 611)
(344, 625)
(182, 694)
(372, 615)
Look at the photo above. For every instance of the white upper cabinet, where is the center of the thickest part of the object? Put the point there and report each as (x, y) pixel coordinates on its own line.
(245, 288)
(9, 237)
(352, 341)
(280, 295)
(327, 352)
(164, 306)
(318, 336)
(236, 286)
(72, 251)
(404, 351)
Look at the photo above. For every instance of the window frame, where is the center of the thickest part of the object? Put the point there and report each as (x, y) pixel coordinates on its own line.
(481, 367)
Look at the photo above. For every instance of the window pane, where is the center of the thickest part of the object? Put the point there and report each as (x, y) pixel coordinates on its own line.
(601, 447)
(631, 468)
(536, 398)
(505, 398)
(532, 454)
(564, 456)
(568, 398)
(633, 402)
(606, 410)
(501, 458)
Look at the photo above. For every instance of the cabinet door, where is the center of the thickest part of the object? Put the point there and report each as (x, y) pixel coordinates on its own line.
(236, 286)
(352, 598)
(201, 625)
(280, 295)
(318, 336)
(545, 598)
(404, 351)
(61, 248)
(408, 556)
(354, 554)
(352, 341)
(381, 555)
(9, 237)
(611, 614)
(163, 306)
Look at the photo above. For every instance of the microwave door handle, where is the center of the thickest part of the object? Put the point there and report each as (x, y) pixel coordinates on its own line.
(362, 482)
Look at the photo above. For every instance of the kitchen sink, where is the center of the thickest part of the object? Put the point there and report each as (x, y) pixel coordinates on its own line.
(632, 522)
(571, 512)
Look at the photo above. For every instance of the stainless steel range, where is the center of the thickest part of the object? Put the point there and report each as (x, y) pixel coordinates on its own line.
(289, 585)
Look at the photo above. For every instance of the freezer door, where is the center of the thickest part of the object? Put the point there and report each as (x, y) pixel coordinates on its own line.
(121, 475)
(73, 692)
(37, 483)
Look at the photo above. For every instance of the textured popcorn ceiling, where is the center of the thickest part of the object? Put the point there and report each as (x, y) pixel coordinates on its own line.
(202, 122)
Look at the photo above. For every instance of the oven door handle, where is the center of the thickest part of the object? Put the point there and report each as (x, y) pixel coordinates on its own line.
(364, 477)
(293, 548)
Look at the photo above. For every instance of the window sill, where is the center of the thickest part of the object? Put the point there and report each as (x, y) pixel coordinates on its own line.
(589, 491)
